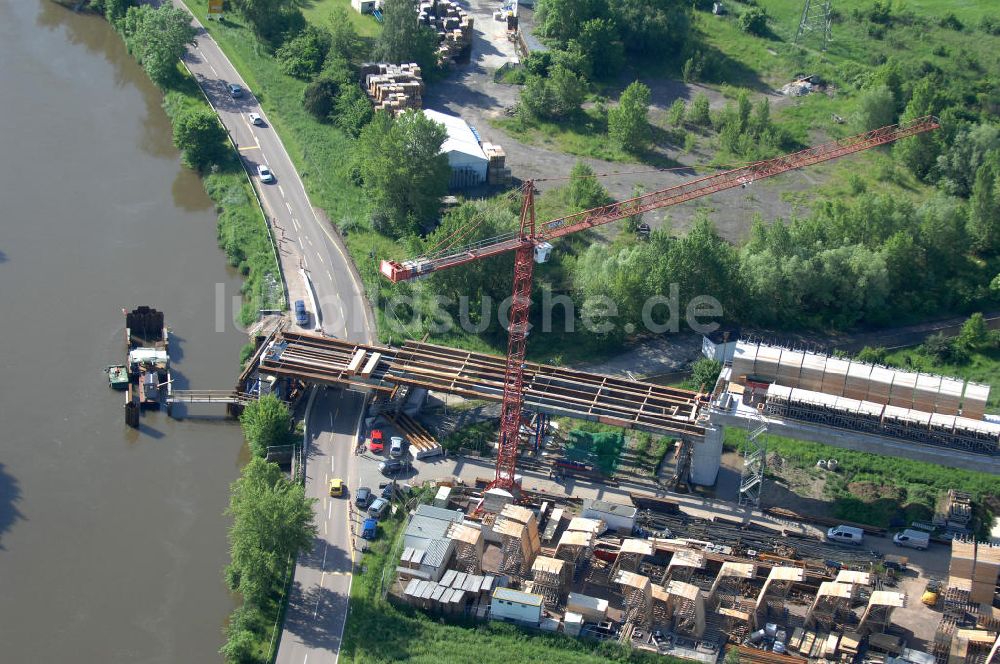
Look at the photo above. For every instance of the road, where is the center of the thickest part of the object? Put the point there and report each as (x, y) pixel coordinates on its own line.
(317, 270)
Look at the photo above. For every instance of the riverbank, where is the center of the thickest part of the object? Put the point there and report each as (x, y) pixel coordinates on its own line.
(243, 234)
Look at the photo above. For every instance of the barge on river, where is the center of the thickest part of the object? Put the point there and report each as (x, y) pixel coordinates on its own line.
(147, 344)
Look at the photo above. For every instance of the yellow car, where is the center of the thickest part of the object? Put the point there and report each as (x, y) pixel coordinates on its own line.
(931, 592)
(336, 487)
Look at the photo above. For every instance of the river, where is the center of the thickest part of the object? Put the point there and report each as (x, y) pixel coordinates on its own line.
(112, 541)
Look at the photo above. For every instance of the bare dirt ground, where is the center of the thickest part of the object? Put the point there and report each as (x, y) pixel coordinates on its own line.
(469, 92)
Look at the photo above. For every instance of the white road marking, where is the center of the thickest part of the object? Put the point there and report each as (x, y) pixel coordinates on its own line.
(305, 660)
(316, 610)
(213, 70)
(331, 458)
(329, 510)
(320, 257)
(305, 261)
(329, 276)
(289, 206)
(301, 246)
(264, 157)
(326, 547)
(281, 190)
(309, 240)
(331, 426)
(296, 223)
(322, 579)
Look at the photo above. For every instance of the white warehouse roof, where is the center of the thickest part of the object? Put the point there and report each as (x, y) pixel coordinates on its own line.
(461, 146)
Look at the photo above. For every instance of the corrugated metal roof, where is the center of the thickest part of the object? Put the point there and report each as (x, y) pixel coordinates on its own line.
(618, 509)
(460, 136)
(437, 551)
(511, 595)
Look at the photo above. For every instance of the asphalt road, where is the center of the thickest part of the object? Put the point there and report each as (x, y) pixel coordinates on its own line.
(318, 271)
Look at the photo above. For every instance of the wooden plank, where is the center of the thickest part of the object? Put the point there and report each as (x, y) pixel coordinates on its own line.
(359, 355)
(370, 366)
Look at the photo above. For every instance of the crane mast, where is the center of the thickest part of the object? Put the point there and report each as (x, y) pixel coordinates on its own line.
(530, 243)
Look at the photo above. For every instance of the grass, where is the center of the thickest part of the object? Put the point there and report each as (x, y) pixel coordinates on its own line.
(378, 631)
(318, 12)
(982, 367)
(874, 489)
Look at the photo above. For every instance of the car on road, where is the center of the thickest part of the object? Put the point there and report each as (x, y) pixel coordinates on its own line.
(336, 487)
(378, 508)
(375, 444)
(265, 173)
(390, 467)
(396, 447)
(255, 119)
(363, 496)
(301, 315)
(235, 90)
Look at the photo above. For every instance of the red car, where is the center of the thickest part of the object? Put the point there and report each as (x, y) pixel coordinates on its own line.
(375, 444)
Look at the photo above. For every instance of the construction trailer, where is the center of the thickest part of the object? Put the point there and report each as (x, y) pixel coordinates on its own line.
(515, 606)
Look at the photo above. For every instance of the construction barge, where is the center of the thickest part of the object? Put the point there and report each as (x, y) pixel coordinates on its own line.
(147, 344)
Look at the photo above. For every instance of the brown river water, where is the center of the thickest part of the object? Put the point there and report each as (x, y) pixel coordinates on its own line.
(112, 541)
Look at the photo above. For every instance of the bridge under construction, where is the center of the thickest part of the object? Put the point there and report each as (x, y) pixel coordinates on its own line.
(559, 391)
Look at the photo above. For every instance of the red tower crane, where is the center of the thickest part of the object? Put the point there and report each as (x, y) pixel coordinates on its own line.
(531, 243)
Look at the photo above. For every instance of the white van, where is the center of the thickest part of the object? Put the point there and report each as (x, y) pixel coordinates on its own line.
(845, 535)
(915, 539)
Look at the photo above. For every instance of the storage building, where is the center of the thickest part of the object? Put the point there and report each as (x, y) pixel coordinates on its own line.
(515, 606)
(466, 157)
(617, 516)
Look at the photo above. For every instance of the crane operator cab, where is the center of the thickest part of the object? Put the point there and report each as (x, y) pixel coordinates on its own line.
(542, 250)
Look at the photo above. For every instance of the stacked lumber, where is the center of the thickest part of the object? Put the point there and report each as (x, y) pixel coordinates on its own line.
(974, 569)
(393, 88)
(422, 443)
(452, 25)
(496, 172)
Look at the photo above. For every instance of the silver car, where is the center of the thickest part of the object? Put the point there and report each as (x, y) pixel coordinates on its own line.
(265, 173)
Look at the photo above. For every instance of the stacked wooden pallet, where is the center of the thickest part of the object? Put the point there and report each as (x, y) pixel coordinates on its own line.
(452, 24)
(393, 88)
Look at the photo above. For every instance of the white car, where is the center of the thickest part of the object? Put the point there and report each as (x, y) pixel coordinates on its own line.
(265, 173)
(255, 119)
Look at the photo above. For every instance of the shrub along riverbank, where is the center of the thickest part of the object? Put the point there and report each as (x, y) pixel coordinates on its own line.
(156, 38)
(272, 519)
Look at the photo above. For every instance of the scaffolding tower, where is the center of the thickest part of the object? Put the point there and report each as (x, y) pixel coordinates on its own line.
(771, 600)
(519, 543)
(815, 24)
(682, 566)
(637, 595)
(878, 614)
(550, 579)
(468, 547)
(687, 609)
(754, 462)
(832, 601)
(630, 554)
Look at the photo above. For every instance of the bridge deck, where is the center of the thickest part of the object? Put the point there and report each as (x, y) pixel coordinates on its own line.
(210, 396)
(554, 390)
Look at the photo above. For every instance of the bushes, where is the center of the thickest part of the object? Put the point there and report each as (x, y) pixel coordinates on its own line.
(628, 124)
(266, 423)
(303, 56)
(557, 95)
(754, 21)
(704, 373)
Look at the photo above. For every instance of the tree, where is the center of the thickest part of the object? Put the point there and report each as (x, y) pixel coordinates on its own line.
(876, 108)
(403, 170)
(158, 38)
(754, 21)
(403, 39)
(558, 95)
(345, 42)
(628, 123)
(968, 150)
(602, 50)
(269, 19)
(303, 56)
(200, 138)
(319, 96)
(272, 521)
(984, 206)
(704, 373)
(653, 26)
(585, 192)
(114, 10)
(352, 110)
(920, 152)
(699, 115)
(563, 20)
(265, 423)
(675, 116)
(974, 332)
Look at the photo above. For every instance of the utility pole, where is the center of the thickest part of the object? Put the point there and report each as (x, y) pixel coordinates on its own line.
(816, 20)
